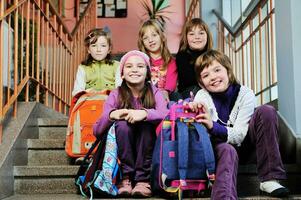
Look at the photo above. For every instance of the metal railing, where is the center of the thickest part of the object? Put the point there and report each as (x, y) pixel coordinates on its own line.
(193, 10)
(251, 48)
(38, 56)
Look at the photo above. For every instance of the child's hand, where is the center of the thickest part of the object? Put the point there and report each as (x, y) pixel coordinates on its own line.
(196, 107)
(136, 116)
(165, 95)
(204, 118)
(119, 114)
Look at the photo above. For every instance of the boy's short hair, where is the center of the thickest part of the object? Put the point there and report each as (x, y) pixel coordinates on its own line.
(206, 59)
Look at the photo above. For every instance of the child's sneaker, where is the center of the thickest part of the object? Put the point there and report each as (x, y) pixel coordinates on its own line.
(273, 188)
(125, 187)
(142, 189)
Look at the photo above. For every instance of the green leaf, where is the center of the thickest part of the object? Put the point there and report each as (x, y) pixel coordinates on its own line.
(160, 4)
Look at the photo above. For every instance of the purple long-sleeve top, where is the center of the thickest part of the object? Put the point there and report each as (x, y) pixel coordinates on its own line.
(154, 115)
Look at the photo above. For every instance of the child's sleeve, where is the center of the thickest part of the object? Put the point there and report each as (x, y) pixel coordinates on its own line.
(171, 76)
(160, 111)
(118, 79)
(80, 82)
(104, 121)
(238, 132)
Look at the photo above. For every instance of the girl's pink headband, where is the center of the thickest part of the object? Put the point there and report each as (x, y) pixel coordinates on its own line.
(133, 53)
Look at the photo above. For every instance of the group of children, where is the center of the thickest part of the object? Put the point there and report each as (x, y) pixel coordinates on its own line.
(146, 80)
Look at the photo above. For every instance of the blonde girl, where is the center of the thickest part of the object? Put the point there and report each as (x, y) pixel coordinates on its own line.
(152, 41)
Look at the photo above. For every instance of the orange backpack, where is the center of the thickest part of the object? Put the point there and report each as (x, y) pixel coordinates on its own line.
(87, 109)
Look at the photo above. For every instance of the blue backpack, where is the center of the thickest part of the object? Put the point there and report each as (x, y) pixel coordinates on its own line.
(183, 157)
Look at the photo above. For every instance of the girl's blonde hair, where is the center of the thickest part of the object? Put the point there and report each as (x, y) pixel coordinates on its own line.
(91, 38)
(206, 59)
(165, 53)
(189, 26)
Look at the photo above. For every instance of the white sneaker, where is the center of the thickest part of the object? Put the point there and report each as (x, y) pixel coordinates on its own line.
(273, 188)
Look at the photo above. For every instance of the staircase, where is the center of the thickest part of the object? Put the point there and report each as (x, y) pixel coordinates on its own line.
(49, 173)
(48, 169)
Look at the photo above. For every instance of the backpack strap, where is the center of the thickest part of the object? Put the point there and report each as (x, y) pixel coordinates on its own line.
(208, 151)
(183, 143)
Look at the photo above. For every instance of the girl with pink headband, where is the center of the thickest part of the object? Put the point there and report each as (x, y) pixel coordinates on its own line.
(136, 107)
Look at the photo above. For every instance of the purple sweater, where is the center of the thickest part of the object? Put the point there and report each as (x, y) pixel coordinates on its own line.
(153, 115)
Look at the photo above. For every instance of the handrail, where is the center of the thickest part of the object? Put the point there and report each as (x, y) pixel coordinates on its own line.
(224, 22)
(235, 30)
(41, 56)
(251, 49)
(193, 10)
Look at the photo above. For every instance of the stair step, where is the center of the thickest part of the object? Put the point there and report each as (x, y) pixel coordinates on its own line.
(48, 157)
(53, 122)
(52, 132)
(79, 197)
(45, 144)
(46, 171)
(45, 186)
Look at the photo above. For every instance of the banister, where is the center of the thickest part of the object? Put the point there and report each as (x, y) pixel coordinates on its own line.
(224, 22)
(250, 13)
(49, 60)
(250, 47)
(81, 19)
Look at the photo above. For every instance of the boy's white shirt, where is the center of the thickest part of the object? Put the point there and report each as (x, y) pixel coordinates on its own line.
(240, 115)
(80, 80)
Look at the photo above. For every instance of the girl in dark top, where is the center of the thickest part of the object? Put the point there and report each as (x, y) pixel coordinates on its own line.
(195, 40)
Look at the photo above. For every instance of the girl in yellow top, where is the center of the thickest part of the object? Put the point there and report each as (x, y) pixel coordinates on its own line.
(98, 71)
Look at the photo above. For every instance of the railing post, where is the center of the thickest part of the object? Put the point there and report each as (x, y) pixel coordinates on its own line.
(16, 58)
(1, 68)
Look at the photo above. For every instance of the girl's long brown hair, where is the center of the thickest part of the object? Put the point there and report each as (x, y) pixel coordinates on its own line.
(91, 38)
(165, 53)
(146, 97)
(195, 22)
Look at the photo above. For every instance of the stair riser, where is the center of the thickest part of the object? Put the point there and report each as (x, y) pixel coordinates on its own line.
(52, 132)
(248, 184)
(45, 186)
(48, 157)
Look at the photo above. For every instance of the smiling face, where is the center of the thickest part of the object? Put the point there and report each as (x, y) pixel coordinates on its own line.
(197, 38)
(151, 40)
(215, 77)
(100, 49)
(134, 71)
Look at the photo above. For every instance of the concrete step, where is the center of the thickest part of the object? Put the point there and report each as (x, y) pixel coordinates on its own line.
(47, 185)
(52, 132)
(48, 157)
(45, 144)
(248, 183)
(79, 197)
(46, 171)
(50, 122)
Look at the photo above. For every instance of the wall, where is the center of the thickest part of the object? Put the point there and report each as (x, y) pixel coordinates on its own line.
(288, 46)
(125, 30)
(211, 20)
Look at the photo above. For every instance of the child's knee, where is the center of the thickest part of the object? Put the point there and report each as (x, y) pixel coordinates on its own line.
(266, 112)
